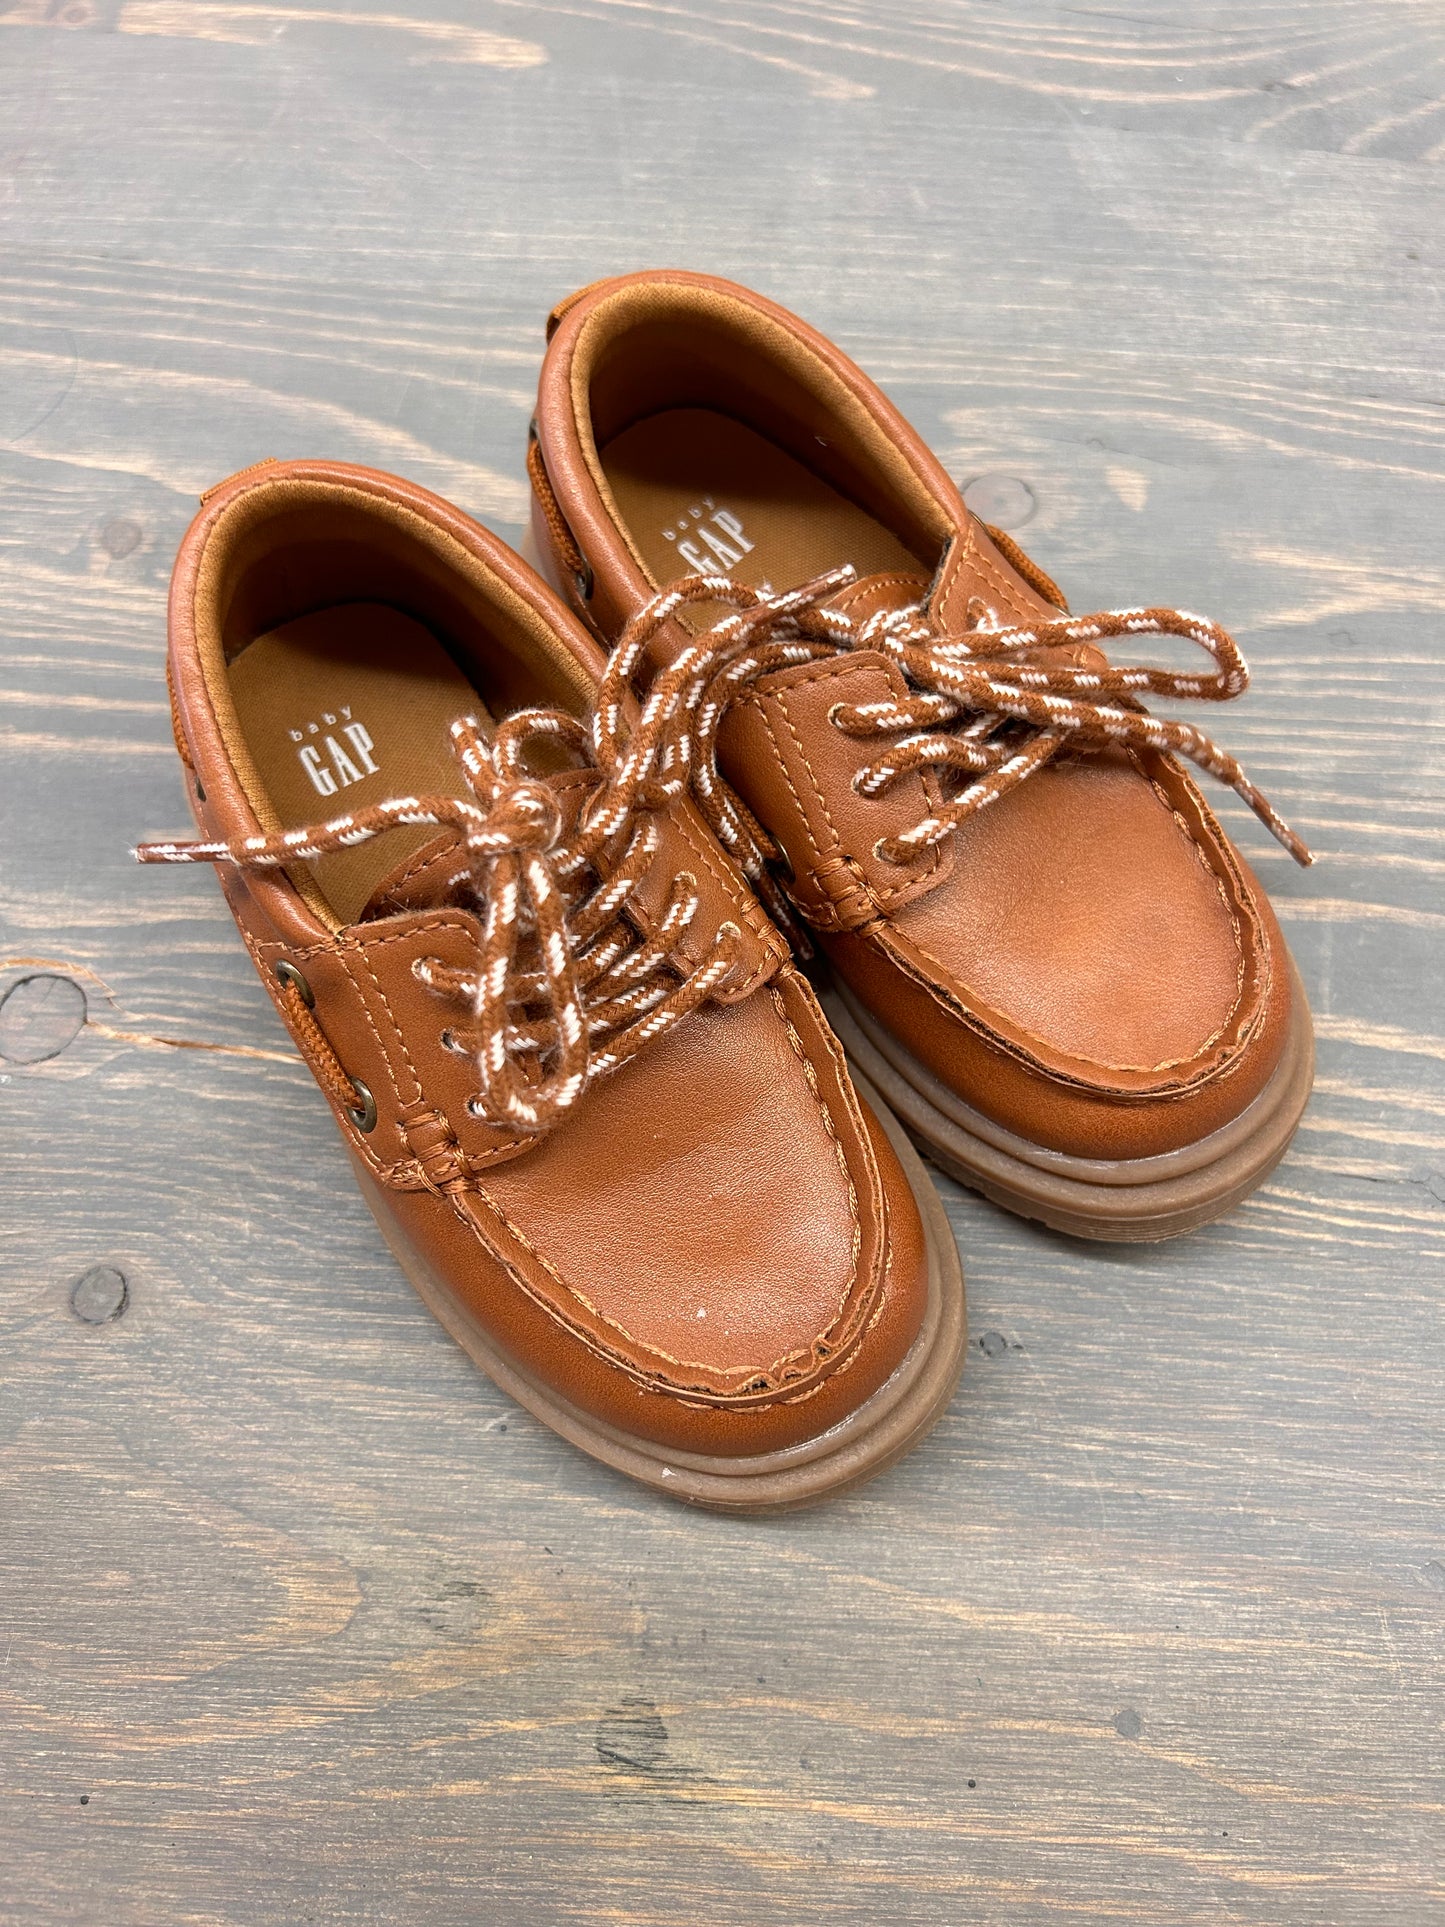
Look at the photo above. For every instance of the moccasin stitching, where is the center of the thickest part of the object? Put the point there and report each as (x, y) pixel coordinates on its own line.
(757, 1378)
(839, 669)
(939, 983)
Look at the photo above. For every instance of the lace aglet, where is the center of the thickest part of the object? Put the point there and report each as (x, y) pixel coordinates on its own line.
(163, 849)
(1282, 833)
(819, 589)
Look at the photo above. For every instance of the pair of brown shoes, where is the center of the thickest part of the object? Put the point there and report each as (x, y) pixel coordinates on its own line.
(531, 886)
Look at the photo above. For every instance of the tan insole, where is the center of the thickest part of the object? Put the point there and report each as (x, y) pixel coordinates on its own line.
(345, 707)
(699, 491)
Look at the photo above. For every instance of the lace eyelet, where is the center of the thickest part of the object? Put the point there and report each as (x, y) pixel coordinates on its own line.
(882, 855)
(451, 1042)
(833, 714)
(290, 978)
(362, 1115)
(475, 1107)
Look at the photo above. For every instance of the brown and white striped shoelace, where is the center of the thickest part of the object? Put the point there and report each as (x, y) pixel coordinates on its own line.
(564, 990)
(982, 710)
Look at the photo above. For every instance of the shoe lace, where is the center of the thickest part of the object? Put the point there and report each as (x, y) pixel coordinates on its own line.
(564, 990)
(982, 710)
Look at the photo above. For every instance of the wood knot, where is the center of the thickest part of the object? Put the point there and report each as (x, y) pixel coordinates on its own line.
(39, 1016)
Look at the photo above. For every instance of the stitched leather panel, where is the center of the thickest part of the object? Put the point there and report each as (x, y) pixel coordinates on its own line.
(490, 1270)
(1087, 913)
(687, 847)
(746, 1122)
(795, 770)
(974, 567)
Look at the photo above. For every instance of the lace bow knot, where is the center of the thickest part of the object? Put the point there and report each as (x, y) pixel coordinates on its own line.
(563, 989)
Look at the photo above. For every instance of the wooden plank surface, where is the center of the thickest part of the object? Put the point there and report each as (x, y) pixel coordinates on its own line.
(300, 1620)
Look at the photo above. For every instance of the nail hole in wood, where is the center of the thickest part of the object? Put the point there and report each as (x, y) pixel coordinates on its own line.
(99, 1295)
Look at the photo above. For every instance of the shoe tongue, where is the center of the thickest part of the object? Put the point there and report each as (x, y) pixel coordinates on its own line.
(978, 583)
(870, 593)
(426, 878)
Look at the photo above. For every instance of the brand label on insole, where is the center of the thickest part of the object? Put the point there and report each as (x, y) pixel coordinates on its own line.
(708, 537)
(335, 751)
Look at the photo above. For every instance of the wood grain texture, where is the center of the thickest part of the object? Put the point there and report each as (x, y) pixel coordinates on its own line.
(300, 1620)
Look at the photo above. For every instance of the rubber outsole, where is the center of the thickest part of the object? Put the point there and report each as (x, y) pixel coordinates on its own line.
(886, 1426)
(1129, 1201)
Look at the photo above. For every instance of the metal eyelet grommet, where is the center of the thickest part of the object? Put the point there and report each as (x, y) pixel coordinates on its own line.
(833, 715)
(883, 856)
(584, 582)
(450, 1041)
(475, 1107)
(291, 977)
(362, 1115)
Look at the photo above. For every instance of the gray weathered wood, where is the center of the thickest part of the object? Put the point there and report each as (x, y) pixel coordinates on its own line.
(300, 1620)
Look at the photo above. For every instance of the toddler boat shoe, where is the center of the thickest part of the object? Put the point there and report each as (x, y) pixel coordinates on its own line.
(1040, 945)
(591, 1101)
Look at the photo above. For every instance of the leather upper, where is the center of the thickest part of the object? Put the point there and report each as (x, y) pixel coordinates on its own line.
(715, 1248)
(1087, 961)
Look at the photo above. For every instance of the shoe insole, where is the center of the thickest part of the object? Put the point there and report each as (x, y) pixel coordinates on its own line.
(700, 492)
(345, 707)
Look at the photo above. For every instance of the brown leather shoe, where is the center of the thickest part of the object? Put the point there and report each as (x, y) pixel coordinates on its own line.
(1077, 999)
(595, 1109)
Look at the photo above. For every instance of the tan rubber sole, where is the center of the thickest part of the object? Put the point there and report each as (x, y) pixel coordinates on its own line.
(890, 1423)
(1138, 1200)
